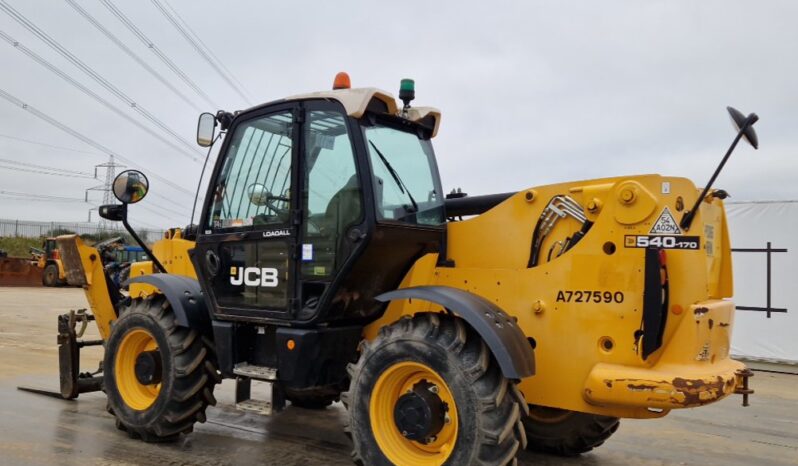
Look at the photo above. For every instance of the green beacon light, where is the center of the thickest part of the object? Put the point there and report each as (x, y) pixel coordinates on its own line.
(407, 92)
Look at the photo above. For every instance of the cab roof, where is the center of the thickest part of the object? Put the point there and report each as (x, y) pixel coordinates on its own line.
(356, 101)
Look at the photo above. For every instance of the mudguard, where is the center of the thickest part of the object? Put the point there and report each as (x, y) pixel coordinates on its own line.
(185, 296)
(505, 339)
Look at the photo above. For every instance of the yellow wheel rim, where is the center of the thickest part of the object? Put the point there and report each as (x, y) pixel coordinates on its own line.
(391, 385)
(135, 394)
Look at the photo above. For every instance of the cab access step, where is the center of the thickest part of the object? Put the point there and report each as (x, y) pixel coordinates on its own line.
(245, 373)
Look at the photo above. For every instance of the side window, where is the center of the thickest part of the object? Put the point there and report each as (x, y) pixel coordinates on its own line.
(255, 182)
(332, 198)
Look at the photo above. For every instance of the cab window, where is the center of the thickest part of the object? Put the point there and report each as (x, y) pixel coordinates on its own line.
(406, 184)
(255, 182)
(331, 198)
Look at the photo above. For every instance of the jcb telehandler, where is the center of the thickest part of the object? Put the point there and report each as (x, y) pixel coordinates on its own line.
(455, 329)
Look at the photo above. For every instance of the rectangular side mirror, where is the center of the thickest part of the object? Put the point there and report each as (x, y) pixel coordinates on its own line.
(206, 129)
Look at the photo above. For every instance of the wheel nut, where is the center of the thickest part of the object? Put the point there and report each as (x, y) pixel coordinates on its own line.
(434, 389)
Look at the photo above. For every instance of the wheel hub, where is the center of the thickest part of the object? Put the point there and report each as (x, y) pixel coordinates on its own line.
(420, 414)
(148, 367)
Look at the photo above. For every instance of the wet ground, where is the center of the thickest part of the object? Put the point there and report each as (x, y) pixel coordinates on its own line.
(37, 430)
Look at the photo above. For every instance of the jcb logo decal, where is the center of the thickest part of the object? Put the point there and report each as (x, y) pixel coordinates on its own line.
(253, 276)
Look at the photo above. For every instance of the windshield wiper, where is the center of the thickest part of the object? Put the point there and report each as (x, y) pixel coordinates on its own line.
(395, 176)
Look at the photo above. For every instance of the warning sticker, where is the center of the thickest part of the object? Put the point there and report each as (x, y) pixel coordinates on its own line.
(665, 224)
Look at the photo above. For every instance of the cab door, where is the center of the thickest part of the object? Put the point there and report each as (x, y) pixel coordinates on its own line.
(247, 241)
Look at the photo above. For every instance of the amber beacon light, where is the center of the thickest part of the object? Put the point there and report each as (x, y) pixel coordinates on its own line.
(342, 81)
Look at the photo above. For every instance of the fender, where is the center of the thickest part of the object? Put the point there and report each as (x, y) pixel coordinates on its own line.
(505, 339)
(185, 296)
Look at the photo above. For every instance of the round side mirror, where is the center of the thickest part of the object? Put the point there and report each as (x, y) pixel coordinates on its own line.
(258, 194)
(739, 121)
(206, 129)
(131, 186)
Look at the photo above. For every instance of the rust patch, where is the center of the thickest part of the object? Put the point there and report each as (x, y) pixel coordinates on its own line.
(608, 383)
(724, 324)
(698, 392)
(700, 311)
(641, 387)
(711, 323)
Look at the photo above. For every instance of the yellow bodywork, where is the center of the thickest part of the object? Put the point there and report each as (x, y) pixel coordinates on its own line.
(172, 251)
(587, 355)
(83, 267)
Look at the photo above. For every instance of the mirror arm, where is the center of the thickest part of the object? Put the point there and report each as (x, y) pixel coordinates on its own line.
(687, 220)
(141, 243)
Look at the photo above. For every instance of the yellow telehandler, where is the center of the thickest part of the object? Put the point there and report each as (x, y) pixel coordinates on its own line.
(456, 329)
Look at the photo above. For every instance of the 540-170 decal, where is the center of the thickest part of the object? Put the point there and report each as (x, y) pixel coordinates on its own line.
(662, 241)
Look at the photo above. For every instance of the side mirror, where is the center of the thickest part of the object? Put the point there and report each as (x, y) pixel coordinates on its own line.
(130, 186)
(206, 129)
(258, 194)
(746, 123)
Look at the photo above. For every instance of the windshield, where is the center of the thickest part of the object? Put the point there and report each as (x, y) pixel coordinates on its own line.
(406, 183)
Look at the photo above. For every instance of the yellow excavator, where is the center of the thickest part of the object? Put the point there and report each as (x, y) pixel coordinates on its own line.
(328, 261)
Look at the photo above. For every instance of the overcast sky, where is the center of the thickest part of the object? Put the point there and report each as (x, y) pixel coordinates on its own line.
(531, 92)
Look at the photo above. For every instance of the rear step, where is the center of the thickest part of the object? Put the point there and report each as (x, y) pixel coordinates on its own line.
(245, 374)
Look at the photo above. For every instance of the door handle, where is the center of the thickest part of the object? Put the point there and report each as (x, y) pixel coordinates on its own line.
(212, 263)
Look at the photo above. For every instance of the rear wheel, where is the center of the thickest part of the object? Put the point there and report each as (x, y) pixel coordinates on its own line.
(427, 391)
(159, 377)
(566, 433)
(50, 275)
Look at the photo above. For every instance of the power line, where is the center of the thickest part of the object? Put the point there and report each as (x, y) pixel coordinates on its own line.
(38, 59)
(198, 46)
(5, 95)
(45, 145)
(154, 48)
(41, 197)
(208, 49)
(91, 19)
(48, 168)
(42, 172)
(21, 19)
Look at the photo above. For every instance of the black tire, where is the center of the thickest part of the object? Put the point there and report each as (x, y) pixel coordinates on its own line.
(315, 398)
(189, 373)
(489, 406)
(566, 433)
(50, 276)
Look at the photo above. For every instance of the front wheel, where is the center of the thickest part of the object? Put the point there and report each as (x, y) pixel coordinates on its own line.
(159, 377)
(427, 391)
(566, 433)
(50, 276)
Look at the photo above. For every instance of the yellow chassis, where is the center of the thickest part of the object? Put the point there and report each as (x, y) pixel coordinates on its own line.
(587, 356)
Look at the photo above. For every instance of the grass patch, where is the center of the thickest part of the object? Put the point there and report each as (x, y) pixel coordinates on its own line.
(18, 246)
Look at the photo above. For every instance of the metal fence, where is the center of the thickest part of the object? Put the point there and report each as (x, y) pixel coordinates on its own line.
(29, 229)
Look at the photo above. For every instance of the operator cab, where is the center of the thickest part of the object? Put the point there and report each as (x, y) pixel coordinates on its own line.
(309, 196)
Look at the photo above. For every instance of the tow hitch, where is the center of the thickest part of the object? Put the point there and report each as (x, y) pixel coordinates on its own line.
(744, 374)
